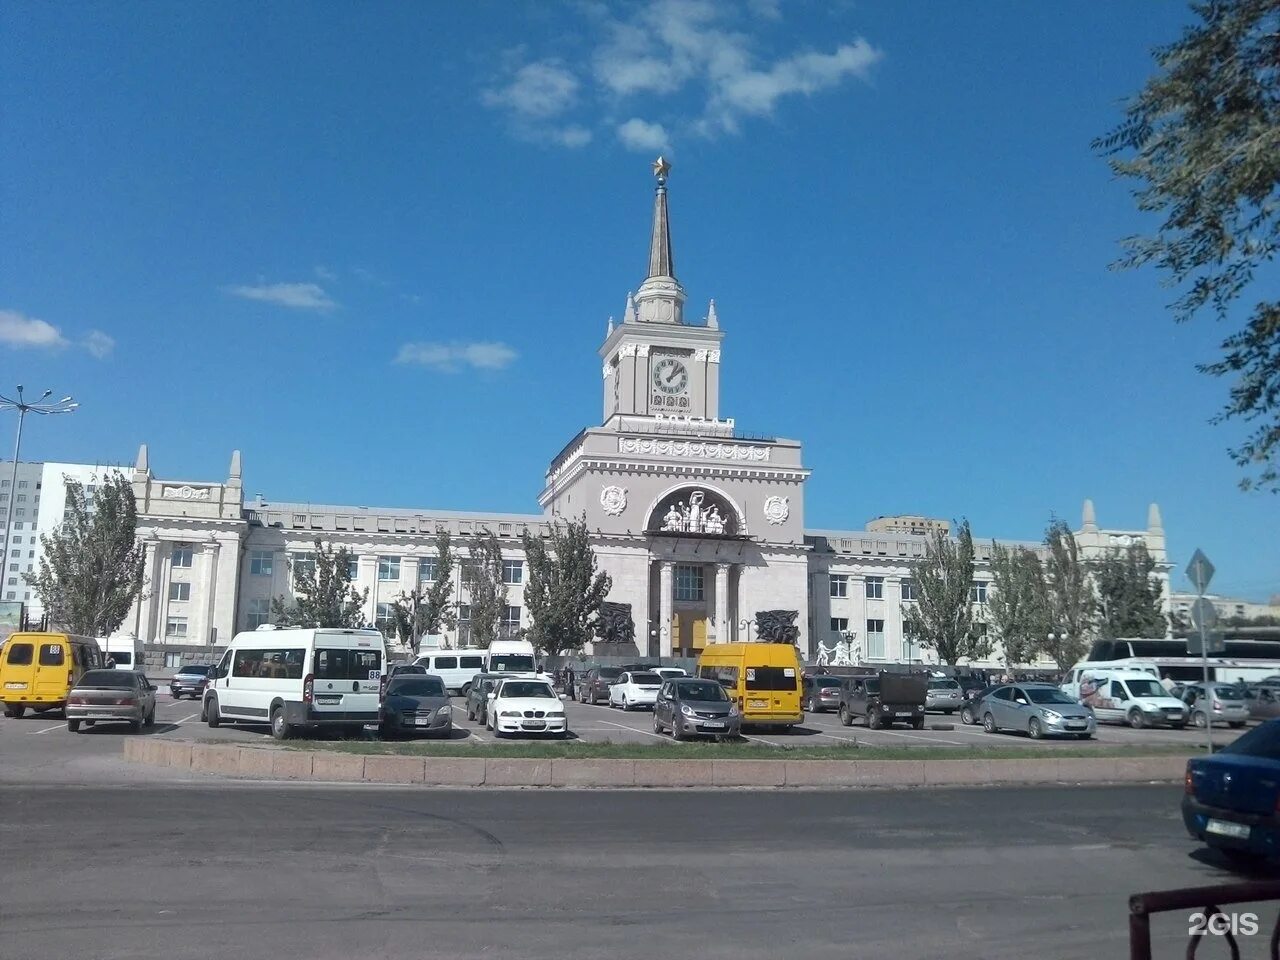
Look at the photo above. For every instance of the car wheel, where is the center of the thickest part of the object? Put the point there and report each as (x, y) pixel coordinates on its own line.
(466, 689)
(211, 712)
(1136, 720)
(471, 713)
(10, 712)
(1199, 719)
(16, 711)
(657, 725)
(73, 726)
(1236, 725)
(989, 723)
(135, 726)
(1034, 729)
(846, 719)
(279, 727)
(498, 734)
(151, 717)
(873, 721)
(1177, 724)
(917, 723)
(626, 704)
(948, 712)
(677, 731)
(966, 716)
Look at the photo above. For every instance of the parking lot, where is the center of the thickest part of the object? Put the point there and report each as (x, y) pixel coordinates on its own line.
(47, 734)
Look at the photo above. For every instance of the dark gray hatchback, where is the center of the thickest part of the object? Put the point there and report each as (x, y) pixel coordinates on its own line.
(691, 707)
(412, 703)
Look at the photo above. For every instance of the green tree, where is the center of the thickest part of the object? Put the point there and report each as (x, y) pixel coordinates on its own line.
(324, 596)
(422, 612)
(1072, 605)
(1129, 596)
(1202, 140)
(564, 591)
(92, 568)
(942, 617)
(1017, 609)
(486, 590)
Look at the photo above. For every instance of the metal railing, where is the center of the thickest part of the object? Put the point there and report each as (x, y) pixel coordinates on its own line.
(1204, 900)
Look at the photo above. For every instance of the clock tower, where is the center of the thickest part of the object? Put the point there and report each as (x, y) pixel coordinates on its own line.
(656, 364)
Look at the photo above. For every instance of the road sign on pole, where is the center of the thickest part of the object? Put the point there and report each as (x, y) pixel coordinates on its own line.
(1200, 571)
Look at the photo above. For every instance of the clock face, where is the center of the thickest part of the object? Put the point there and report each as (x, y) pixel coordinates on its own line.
(670, 376)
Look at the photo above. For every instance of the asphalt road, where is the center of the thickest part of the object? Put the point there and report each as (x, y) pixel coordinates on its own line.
(194, 871)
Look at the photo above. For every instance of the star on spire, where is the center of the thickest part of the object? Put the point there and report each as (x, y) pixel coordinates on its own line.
(661, 167)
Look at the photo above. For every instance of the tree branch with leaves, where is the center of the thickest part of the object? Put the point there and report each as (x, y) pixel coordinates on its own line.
(92, 568)
(564, 592)
(1072, 602)
(323, 594)
(942, 617)
(1017, 608)
(486, 589)
(1130, 597)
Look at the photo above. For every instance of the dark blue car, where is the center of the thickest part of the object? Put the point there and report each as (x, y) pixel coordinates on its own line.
(1232, 799)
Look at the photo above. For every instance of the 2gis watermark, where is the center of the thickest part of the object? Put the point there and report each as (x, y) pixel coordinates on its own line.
(1202, 924)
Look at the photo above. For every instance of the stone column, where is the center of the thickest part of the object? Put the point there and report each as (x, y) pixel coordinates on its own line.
(368, 566)
(724, 626)
(209, 595)
(147, 604)
(666, 604)
(160, 586)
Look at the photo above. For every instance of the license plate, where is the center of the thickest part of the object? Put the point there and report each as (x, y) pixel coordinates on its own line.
(907, 714)
(328, 701)
(1076, 726)
(758, 704)
(422, 721)
(534, 724)
(13, 685)
(1224, 828)
(714, 725)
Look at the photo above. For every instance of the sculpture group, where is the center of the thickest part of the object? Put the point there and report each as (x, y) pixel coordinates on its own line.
(777, 626)
(614, 623)
(693, 517)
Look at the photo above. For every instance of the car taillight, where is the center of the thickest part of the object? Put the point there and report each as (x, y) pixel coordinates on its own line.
(126, 702)
(1188, 786)
(308, 688)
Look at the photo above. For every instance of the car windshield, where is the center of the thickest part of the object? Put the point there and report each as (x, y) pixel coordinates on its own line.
(529, 689)
(873, 686)
(195, 670)
(826, 681)
(943, 685)
(1227, 693)
(404, 668)
(511, 663)
(1145, 688)
(122, 679)
(416, 687)
(646, 679)
(701, 690)
(610, 673)
(1048, 695)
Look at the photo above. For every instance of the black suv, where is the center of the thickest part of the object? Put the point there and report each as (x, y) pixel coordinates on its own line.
(884, 700)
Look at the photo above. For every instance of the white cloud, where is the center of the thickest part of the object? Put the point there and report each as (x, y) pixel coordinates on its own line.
(299, 296)
(536, 91)
(452, 357)
(703, 60)
(99, 344)
(327, 275)
(21, 332)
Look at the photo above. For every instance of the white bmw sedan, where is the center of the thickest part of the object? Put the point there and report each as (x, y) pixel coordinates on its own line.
(526, 706)
(635, 689)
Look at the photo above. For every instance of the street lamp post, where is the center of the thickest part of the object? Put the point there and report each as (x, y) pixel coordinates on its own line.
(745, 624)
(42, 407)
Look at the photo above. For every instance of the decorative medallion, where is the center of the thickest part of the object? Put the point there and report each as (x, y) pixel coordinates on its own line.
(613, 500)
(777, 509)
(185, 492)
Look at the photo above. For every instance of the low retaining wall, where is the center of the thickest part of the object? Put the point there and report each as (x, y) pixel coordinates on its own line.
(331, 766)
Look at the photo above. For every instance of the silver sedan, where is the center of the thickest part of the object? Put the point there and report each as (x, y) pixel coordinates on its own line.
(1039, 709)
(111, 695)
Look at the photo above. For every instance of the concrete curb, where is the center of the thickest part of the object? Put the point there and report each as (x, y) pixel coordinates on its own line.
(325, 766)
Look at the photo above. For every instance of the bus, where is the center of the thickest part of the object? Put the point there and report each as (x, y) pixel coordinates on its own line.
(1244, 660)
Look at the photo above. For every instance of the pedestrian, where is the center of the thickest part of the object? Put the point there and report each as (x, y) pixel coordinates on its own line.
(568, 677)
(111, 662)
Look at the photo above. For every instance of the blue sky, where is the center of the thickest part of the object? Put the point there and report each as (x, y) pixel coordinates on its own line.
(375, 247)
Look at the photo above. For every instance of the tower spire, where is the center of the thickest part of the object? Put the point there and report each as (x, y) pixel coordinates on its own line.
(661, 261)
(660, 298)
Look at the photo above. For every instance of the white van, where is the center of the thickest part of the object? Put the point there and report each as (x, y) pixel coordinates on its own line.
(457, 668)
(1071, 681)
(1131, 696)
(125, 651)
(511, 656)
(297, 679)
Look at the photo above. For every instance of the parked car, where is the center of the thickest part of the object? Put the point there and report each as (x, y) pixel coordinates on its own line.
(821, 692)
(944, 694)
(190, 681)
(1216, 703)
(691, 707)
(1230, 798)
(478, 696)
(415, 704)
(526, 706)
(971, 712)
(884, 700)
(1263, 700)
(1040, 709)
(634, 689)
(111, 695)
(593, 686)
